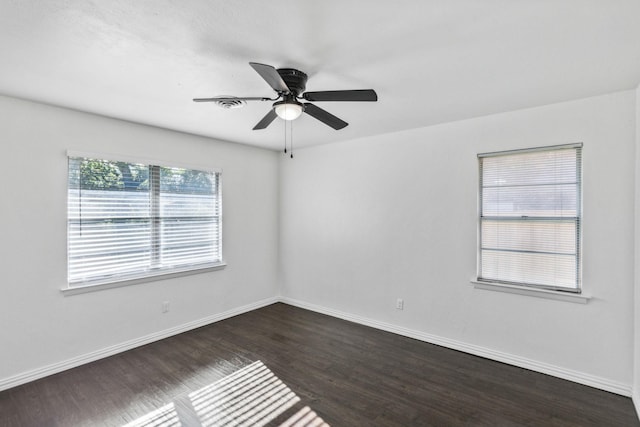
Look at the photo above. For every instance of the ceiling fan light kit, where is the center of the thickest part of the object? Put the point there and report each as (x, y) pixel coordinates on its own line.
(289, 85)
(288, 110)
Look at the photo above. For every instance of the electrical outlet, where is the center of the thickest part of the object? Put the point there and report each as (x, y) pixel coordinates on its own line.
(399, 304)
(165, 306)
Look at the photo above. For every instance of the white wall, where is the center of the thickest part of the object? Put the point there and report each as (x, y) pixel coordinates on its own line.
(636, 330)
(367, 221)
(38, 325)
(360, 224)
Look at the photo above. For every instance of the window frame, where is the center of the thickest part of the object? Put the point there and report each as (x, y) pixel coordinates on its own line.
(524, 287)
(150, 274)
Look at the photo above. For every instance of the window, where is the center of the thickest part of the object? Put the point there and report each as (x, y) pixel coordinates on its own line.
(530, 217)
(131, 220)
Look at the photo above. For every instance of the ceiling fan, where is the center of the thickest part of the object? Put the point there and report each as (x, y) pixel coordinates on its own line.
(289, 85)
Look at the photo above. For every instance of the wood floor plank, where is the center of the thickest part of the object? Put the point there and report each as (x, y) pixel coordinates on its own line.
(339, 372)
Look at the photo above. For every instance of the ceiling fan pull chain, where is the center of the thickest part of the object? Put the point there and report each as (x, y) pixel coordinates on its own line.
(291, 137)
(285, 137)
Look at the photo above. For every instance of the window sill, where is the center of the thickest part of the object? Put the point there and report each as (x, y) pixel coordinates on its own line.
(540, 293)
(114, 283)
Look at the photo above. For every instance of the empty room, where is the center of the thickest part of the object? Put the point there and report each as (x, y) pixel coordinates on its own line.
(297, 213)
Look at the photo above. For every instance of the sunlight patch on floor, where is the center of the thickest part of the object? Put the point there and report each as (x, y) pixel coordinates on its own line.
(165, 416)
(305, 417)
(252, 396)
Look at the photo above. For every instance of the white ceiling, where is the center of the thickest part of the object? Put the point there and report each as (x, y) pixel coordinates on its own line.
(429, 61)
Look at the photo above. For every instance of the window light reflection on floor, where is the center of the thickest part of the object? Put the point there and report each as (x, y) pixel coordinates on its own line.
(165, 416)
(305, 417)
(252, 396)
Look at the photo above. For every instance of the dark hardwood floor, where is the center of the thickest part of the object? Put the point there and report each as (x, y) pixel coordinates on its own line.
(281, 365)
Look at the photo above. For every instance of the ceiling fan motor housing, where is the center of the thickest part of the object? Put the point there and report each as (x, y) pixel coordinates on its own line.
(296, 80)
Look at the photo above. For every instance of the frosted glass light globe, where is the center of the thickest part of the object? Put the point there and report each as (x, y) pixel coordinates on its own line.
(288, 111)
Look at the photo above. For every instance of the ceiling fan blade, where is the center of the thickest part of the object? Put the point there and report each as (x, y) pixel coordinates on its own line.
(266, 120)
(271, 76)
(324, 116)
(342, 95)
(233, 98)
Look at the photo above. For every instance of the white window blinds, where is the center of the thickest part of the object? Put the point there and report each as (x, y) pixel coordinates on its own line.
(530, 217)
(130, 220)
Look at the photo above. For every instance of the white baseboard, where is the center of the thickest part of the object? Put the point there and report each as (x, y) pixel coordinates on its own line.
(35, 374)
(522, 362)
(575, 376)
(636, 401)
